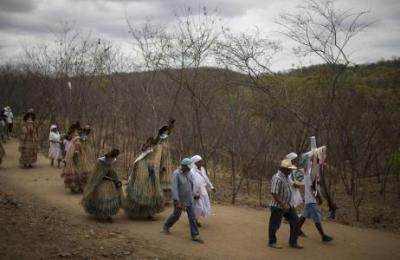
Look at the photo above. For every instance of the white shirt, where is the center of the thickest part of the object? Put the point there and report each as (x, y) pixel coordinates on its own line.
(10, 117)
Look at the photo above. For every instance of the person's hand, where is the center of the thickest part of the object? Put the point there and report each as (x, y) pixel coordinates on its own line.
(214, 190)
(319, 200)
(178, 204)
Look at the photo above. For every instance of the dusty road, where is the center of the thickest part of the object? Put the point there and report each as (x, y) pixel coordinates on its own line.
(230, 233)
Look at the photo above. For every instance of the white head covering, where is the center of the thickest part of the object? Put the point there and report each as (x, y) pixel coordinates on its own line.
(195, 159)
(52, 127)
(291, 156)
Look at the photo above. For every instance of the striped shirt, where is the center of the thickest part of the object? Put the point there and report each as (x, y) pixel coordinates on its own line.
(281, 187)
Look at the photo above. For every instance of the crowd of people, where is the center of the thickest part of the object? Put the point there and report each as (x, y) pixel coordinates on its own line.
(153, 184)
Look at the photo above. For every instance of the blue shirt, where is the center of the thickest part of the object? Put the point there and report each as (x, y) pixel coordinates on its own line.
(182, 187)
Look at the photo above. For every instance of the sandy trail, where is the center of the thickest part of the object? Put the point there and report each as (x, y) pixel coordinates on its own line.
(230, 233)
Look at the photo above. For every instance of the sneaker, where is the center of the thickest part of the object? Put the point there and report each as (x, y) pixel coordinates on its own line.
(296, 246)
(275, 245)
(327, 238)
(198, 239)
(166, 230)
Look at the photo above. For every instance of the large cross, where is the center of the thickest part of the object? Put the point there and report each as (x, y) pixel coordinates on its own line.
(314, 153)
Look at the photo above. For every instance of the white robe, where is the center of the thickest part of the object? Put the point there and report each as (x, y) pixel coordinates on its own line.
(202, 185)
(55, 148)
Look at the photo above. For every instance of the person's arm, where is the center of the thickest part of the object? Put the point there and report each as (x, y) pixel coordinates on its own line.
(208, 182)
(175, 191)
(276, 186)
(277, 199)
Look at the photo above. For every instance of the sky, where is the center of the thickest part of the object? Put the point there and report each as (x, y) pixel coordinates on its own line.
(24, 23)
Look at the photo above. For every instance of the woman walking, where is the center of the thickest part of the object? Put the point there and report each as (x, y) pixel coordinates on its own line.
(28, 140)
(55, 152)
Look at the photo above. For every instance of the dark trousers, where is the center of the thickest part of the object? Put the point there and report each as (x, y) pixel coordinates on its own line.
(275, 222)
(10, 127)
(194, 231)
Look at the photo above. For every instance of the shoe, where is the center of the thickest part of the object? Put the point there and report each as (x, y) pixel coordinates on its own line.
(165, 230)
(198, 239)
(327, 238)
(296, 246)
(275, 245)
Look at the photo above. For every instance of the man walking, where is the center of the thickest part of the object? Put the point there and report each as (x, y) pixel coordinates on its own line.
(182, 195)
(280, 204)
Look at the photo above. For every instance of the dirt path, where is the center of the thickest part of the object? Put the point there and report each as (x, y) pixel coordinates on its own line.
(230, 233)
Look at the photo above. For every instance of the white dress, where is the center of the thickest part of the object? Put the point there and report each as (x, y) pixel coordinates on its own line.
(55, 147)
(201, 186)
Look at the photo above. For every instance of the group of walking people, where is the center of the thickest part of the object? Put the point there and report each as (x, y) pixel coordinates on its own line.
(152, 184)
(286, 197)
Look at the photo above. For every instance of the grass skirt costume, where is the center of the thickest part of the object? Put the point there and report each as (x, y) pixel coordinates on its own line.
(78, 168)
(166, 167)
(144, 195)
(2, 152)
(102, 195)
(28, 146)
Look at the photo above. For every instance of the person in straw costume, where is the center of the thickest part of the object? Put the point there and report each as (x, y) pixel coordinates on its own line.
(55, 152)
(28, 146)
(144, 195)
(84, 134)
(77, 168)
(166, 164)
(102, 195)
(202, 185)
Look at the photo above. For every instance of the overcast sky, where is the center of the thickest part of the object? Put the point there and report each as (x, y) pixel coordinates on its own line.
(26, 22)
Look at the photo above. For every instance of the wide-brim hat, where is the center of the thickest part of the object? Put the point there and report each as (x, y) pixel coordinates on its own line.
(287, 164)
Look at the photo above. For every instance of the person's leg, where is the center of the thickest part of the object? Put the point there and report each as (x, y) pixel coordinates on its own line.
(194, 231)
(10, 128)
(302, 219)
(176, 214)
(294, 227)
(52, 162)
(316, 216)
(274, 224)
(58, 163)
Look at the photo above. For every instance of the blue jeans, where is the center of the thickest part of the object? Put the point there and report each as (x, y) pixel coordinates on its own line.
(275, 222)
(194, 231)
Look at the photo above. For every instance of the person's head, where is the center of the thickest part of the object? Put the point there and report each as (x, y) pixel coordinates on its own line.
(86, 129)
(30, 116)
(198, 161)
(53, 128)
(163, 132)
(286, 166)
(113, 153)
(185, 165)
